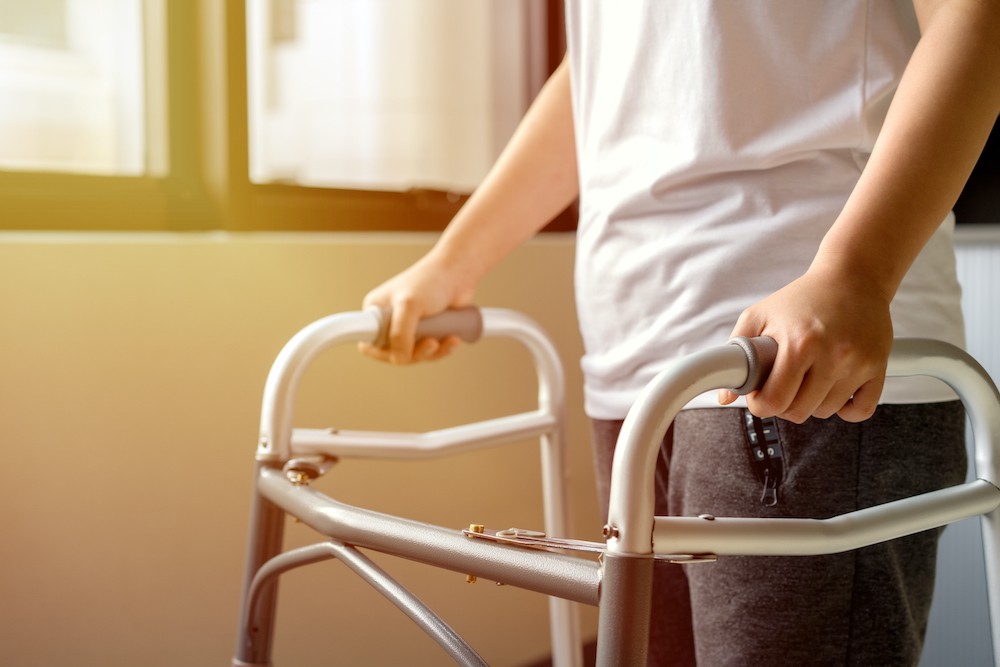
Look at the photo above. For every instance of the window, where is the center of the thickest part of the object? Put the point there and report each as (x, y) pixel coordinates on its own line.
(383, 94)
(83, 115)
(72, 72)
(260, 115)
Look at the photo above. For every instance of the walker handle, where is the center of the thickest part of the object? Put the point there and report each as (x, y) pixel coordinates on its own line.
(760, 351)
(466, 323)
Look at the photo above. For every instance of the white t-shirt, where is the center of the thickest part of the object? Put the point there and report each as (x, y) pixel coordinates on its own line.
(717, 141)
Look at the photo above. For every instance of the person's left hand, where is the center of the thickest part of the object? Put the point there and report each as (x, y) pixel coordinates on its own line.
(834, 336)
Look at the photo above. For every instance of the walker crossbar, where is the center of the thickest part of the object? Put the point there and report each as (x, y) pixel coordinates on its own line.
(724, 536)
(415, 446)
(541, 571)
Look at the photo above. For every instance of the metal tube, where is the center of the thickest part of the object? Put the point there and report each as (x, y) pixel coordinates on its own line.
(981, 399)
(278, 407)
(279, 441)
(422, 446)
(563, 616)
(630, 511)
(810, 537)
(442, 633)
(988, 523)
(915, 356)
(567, 645)
(631, 523)
(541, 571)
(623, 616)
(256, 631)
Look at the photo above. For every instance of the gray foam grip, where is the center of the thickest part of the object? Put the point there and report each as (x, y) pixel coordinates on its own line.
(466, 323)
(761, 352)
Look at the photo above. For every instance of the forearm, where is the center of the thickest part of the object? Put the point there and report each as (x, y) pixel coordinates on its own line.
(534, 179)
(939, 120)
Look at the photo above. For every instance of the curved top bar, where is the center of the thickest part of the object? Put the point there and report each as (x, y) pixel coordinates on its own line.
(631, 502)
(277, 411)
(503, 323)
(278, 407)
(630, 508)
(979, 395)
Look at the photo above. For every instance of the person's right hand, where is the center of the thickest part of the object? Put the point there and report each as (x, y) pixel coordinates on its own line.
(425, 289)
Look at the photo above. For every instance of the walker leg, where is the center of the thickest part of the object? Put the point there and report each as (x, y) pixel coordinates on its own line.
(990, 524)
(267, 525)
(564, 617)
(623, 610)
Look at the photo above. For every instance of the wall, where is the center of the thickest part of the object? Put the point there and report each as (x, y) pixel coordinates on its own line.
(131, 369)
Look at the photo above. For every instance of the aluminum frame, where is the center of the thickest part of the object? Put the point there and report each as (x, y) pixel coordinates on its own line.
(620, 583)
(564, 578)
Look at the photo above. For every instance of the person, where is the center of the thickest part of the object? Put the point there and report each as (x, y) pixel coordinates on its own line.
(755, 168)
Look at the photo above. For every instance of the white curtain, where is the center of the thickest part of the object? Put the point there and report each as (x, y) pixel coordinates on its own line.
(72, 86)
(384, 94)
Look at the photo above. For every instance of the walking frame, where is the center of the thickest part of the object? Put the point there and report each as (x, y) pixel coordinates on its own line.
(619, 581)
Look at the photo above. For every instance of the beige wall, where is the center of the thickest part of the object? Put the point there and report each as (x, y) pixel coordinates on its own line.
(131, 369)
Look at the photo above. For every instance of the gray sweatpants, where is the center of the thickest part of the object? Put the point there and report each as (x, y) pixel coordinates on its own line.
(864, 607)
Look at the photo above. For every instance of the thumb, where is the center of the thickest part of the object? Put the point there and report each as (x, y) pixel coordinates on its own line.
(726, 397)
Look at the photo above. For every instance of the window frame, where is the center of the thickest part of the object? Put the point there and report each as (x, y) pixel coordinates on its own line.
(202, 63)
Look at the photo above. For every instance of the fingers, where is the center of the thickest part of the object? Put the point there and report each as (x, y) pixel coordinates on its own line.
(425, 349)
(849, 391)
(814, 378)
(781, 389)
(727, 397)
(401, 343)
(862, 405)
(402, 332)
(406, 312)
(432, 349)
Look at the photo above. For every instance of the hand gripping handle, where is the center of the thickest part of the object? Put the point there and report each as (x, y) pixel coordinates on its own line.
(466, 323)
(761, 352)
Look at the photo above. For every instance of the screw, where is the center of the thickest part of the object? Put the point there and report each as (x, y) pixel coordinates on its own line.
(609, 532)
(298, 477)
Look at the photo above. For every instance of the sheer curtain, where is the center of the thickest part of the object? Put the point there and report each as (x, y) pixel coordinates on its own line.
(384, 94)
(72, 95)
